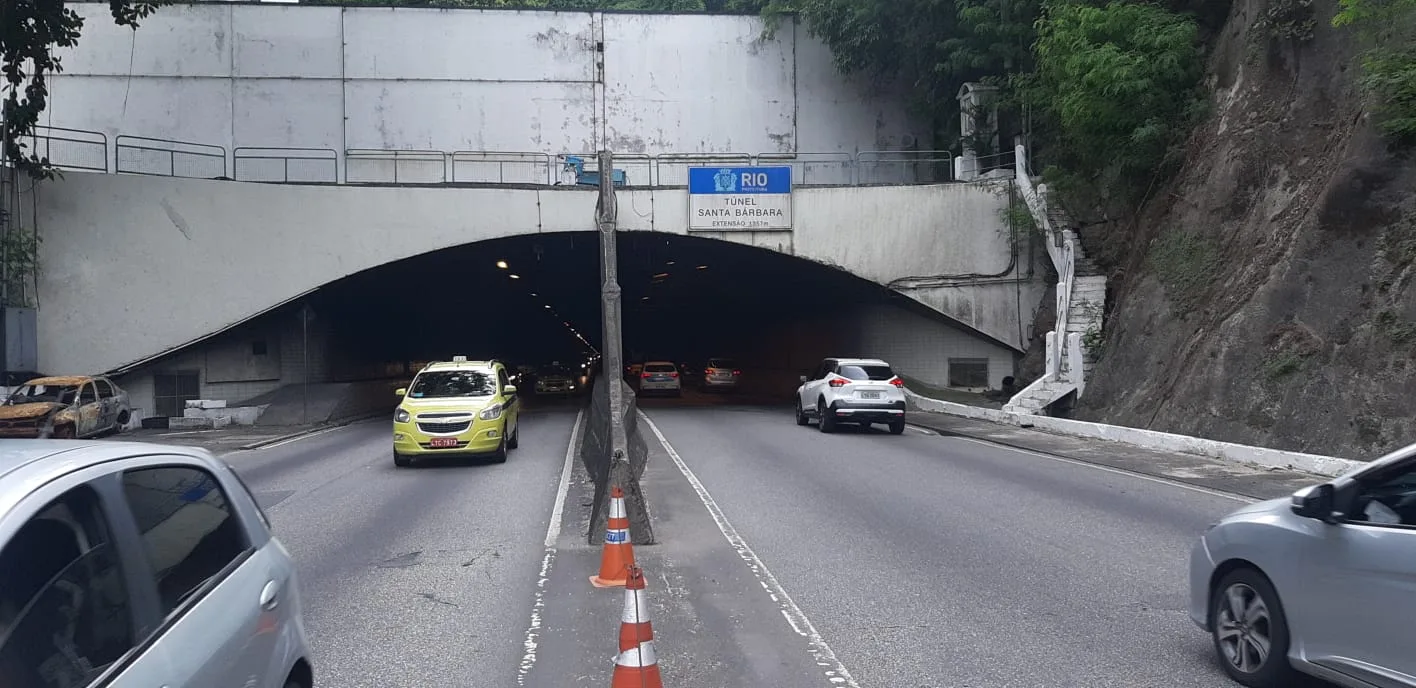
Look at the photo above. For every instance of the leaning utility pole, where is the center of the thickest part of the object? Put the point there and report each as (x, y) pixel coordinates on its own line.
(605, 217)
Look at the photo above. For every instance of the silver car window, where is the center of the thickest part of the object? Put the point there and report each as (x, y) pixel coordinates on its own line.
(203, 537)
(64, 608)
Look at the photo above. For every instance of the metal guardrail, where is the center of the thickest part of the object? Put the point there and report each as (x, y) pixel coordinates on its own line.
(890, 167)
(373, 166)
(285, 165)
(88, 150)
(501, 168)
(168, 158)
(70, 149)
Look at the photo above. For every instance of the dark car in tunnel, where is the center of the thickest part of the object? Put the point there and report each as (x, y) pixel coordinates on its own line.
(556, 380)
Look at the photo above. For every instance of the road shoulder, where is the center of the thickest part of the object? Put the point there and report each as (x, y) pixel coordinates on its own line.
(1214, 474)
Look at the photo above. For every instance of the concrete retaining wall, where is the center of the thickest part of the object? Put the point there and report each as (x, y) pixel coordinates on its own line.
(1147, 439)
(602, 468)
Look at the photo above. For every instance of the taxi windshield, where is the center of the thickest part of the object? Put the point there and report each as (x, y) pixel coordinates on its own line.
(31, 394)
(453, 383)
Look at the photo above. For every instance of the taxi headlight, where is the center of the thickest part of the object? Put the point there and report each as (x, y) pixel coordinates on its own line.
(492, 412)
(401, 416)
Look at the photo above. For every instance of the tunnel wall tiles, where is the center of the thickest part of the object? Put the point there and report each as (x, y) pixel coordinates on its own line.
(210, 247)
(340, 78)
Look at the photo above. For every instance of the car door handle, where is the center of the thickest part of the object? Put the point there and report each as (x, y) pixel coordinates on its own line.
(270, 596)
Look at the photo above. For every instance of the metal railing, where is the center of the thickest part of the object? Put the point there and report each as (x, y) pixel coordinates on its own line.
(891, 167)
(70, 149)
(285, 165)
(88, 150)
(501, 168)
(168, 157)
(373, 166)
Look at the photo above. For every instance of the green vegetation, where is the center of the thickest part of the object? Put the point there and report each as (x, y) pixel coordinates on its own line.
(1282, 364)
(21, 262)
(1396, 328)
(1187, 264)
(1387, 29)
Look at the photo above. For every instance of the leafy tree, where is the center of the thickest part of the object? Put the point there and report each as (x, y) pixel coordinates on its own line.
(1119, 84)
(1388, 29)
(29, 30)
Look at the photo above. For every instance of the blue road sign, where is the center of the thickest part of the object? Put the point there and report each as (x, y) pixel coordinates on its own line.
(739, 180)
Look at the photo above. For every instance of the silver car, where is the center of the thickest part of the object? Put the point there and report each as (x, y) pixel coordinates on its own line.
(142, 566)
(1322, 583)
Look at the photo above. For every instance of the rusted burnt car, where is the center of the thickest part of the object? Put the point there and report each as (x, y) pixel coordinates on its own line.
(65, 407)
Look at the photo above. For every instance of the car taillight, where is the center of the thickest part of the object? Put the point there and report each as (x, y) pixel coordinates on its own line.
(645, 376)
(737, 372)
(673, 374)
(707, 371)
(898, 383)
(838, 382)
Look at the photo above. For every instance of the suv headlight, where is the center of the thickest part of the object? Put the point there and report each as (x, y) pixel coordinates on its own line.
(492, 412)
(401, 416)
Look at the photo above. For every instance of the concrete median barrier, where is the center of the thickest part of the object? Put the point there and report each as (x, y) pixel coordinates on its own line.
(606, 470)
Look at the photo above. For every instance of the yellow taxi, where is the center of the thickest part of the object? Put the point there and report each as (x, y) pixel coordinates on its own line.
(460, 408)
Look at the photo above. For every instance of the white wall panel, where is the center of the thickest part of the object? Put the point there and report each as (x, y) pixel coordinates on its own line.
(468, 45)
(453, 116)
(178, 40)
(286, 42)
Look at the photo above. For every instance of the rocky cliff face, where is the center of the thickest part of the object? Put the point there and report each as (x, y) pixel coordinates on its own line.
(1265, 295)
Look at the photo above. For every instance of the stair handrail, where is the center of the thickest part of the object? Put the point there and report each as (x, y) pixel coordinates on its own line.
(1062, 251)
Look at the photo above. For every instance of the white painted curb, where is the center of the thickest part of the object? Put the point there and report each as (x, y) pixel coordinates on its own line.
(1147, 439)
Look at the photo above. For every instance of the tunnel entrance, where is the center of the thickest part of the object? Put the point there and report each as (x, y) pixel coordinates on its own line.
(536, 299)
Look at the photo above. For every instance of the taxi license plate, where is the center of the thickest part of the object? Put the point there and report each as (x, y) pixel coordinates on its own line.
(443, 442)
(870, 395)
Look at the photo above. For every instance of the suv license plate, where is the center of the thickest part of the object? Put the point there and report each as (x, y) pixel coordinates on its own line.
(870, 395)
(443, 442)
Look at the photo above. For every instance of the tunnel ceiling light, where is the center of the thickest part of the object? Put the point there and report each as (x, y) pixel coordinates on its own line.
(533, 293)
(703, 267)
(547, 307)
(669, 263)
(643, 298)
(662, 275)
(514, 276)
(501, 264)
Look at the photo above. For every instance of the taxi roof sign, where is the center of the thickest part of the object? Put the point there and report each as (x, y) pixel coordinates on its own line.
(459, 359)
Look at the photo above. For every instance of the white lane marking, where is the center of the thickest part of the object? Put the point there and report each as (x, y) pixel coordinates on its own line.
(293, 440)
(553, 530)
(183, 432)
(921, 430)
(1118, 471)
(528, 660)
(822, 653)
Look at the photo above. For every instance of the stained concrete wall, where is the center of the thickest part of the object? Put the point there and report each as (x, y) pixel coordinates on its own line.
(227, 368)
(134, 266)
(479, 80)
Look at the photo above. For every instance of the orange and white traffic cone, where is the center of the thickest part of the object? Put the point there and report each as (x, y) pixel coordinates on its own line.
(618, 554)
(636, 666)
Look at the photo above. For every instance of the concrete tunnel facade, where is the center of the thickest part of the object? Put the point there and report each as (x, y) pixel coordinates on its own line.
(133, 267)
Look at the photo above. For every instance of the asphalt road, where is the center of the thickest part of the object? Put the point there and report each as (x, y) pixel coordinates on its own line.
(916, 560)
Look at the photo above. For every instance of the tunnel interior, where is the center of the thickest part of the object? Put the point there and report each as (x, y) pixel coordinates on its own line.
(536, 299)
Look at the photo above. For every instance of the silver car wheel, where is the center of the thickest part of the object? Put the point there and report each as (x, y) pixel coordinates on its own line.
(1243, 629)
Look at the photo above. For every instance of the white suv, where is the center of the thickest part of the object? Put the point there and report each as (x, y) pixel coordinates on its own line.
(852, 390)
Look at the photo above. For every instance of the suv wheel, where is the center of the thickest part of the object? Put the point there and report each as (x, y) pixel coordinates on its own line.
(801, 417)
(827, 422)
(1249, 630)
(897, 427)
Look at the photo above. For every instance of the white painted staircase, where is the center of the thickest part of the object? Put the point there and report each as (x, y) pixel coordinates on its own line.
(1081, 298)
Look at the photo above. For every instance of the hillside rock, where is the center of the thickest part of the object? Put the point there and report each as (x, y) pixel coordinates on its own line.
(1266, 297)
